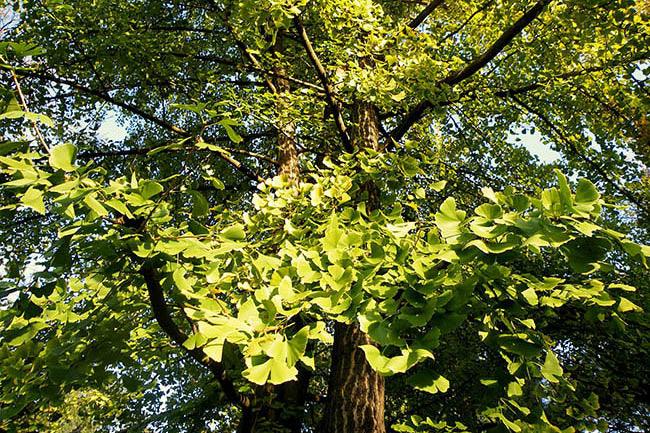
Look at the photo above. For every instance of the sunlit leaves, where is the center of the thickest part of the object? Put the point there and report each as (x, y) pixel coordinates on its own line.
(33, 198)
(551, 370)
(234, 233)
(428, 381)
(200, 206)
(397, 364)
(310, 253)
(449, 220)
(62, 156)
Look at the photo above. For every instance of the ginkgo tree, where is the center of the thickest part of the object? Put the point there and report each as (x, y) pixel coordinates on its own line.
(315, 196)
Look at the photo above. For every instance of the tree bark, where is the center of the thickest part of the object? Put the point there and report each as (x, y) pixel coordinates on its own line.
(282, 407)
(355, 390)
(286, 128)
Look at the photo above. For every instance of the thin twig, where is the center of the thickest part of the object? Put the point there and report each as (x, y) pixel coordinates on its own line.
(23, 102)
(607, 177)
(329, 90)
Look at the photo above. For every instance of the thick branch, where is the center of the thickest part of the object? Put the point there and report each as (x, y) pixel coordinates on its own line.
(477, 64)
(470, 94)
(425, 13)
(498, 46)
(329, 90)
(107, 98)
(164, 319)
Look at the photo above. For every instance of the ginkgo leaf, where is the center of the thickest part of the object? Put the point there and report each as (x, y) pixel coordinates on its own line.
(428, 381)
(62, 155)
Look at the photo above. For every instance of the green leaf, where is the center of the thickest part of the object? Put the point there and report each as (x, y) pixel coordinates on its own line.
(489, 211)
(181, 282)
(566, 199)
(234, 233)
(195, 341)
(397, 97)
(551, 369)
(518, 346)
(531, 296)
(33, 198)
(120, 207)
(94, 205)
(626, 305)
(41, 118)
(428, 381)
(586, 192)
(61, 157)
(397, 364)
(149, 188)
(285, 289)
(200, 206)
(234, 137)
(281, 372)
(297, 345)
(584, 254)
(511, 425)
(449, 220)
(438, 186)
(214, 350)
(258, 374)
(514, 389)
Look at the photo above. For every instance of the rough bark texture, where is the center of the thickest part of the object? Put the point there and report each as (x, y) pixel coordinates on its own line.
(287, 150)
(280, 408)
(355, 390)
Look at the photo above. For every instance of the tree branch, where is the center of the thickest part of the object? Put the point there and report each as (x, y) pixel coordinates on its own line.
(467, 21)
(145, 150)
(607, 177)
(415, 114)
(23, 103)
(107, 98)
(137, 111)
(468, 94)
(425, 13)
(166, 322)
(329, 90)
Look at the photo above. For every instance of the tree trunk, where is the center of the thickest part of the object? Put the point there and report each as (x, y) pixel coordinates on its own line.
(286, 128)
(280, 408)
(355, 390)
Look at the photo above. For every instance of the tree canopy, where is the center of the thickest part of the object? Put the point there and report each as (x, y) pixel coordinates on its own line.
(324, 216)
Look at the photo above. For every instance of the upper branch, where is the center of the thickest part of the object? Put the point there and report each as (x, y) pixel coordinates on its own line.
(415, 114)
(105, 96)
(329, 90)
(425, 13)
(145, 150)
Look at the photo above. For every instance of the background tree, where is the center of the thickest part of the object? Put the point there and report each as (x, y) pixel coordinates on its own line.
(114, 250)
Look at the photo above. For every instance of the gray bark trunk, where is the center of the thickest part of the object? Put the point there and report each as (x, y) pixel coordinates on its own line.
(355, 390)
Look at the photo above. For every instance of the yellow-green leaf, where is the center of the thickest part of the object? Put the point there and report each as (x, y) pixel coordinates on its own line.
(61, 156)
